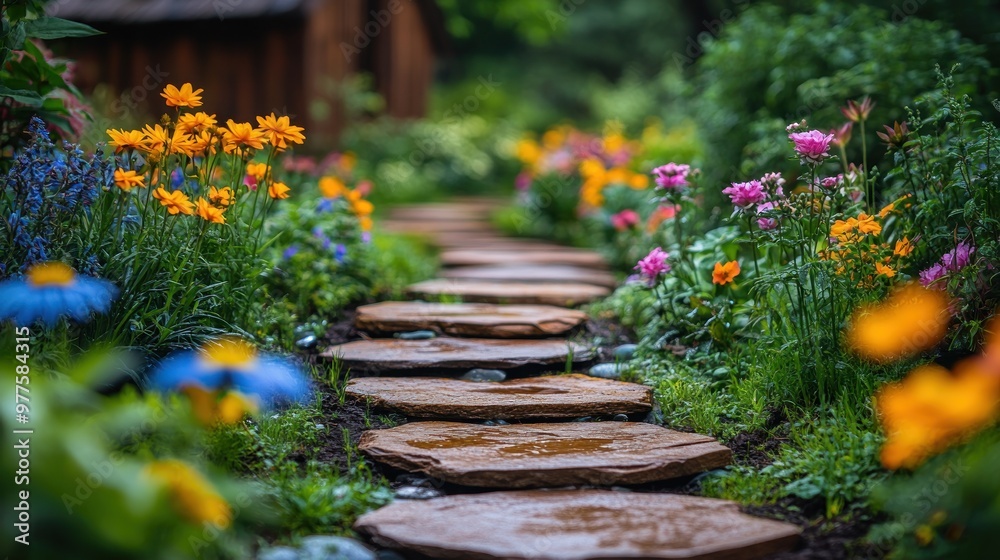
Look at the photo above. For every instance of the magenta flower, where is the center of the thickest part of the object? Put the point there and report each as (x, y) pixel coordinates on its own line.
(653, 265)
(523, 181)
(958, 258)
(625, 219)
(811, 146)
(773, 183)
(746, 194)
(766, 223)
(830, 183)
(672, 175)
(932, 274)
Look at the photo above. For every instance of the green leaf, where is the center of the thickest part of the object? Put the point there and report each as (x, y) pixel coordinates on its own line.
(21, 96)
(47, 27)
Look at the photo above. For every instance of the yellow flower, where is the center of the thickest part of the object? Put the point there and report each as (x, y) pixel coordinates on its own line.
(885, 270)
(186, 96)
(209, 213)
(725, 273)
(347, 161)
(278, 191)
(886, 210)
(912, 319)
(222, 197)
(331, 187)
(554, 137)
(126, 179)
(591, 168)
(126, 139)
(176, 202)
(365, 222)
(932, 409)
(903, 248)
(280, 132)
(617, 176)
(591, 192)
(258, 170)
(182, 143)
(239, 137)
(203, 142)
(156, 138)
(638, 181)
(195, 122)
(528, 151)
(867, 224)
(214, 407)
(191, 493)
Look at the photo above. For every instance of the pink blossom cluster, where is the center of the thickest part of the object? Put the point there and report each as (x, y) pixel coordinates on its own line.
(952, 261)
(672, 175)
(653, 265)
(764, 222)
(744, 195)
(811, 146)
(626, 219)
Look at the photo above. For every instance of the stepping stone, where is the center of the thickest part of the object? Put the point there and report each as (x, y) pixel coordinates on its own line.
(445, 352)
(527, 255)
(438, 213)
(429, 227)
(553, 396)
(487, 291)
(576, 525)
(468, 319)
(533, 273)
(540, 455)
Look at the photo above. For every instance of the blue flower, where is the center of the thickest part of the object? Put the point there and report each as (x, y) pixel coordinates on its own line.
(325, 205)
(52, 290)
(290, 252)
(233, 364)
(340, 253)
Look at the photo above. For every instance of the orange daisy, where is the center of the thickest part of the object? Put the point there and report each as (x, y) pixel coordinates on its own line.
(186, 96)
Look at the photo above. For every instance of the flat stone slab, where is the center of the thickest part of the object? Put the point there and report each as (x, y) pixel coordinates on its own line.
(548, 397)
(422, 227)
(468, 319)
(495, 291)
(576, 525)
(525, 255)
(533, 273)
(540, 455)
(450, 353)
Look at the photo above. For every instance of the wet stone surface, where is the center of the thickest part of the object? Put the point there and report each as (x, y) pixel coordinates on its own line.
(576, 525)
(554, 396)
(484, 375)
(607, 371)
(467, 319)
(544, 455)
(451, 353)
(486, 291)
(526, 255)
(532, 273)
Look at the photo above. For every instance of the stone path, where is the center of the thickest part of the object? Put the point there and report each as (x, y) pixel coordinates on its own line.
(516, 297)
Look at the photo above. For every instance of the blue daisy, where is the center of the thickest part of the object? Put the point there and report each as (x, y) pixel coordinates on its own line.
(234, 364)
(52, 290)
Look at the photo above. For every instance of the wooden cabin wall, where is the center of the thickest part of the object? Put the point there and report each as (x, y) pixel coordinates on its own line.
(331, 23)
(403, 61)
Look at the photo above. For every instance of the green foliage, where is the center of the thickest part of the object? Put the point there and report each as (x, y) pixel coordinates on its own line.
(32, 82)
(772, 67)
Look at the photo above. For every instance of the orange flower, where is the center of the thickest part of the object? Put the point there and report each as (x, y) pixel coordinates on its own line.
(208, 212)
(278, 191)
(195, 122)
(280, 132)
(258, 170)
(903, 248)
(222, 197)
(213, 407)
(156, 138)
(126, 179)
(932, 409)
(186, 96)
(190, 492)
(867, 224)
(176, 202)
(725, 273)
(126, 139)
(182, 143)
(885, 270)
(638, 181)
(332, 187)
(912, 319)
(239, 137)
(203, 142)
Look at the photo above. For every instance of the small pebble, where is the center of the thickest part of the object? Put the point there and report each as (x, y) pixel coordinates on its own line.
(416, 335)
(417, 493)
(326, 547)
(621, 418)
(479, 374)
(583, 419)
(624, 352)
(414, 480)
(307, 342)
(607, 371)
(501, 422)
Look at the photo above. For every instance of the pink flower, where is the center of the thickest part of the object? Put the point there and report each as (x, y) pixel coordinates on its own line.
(653, 265)
(364, 187)
(842, 135)
(958, 258)
(625, 219)
(251, 182)
(765, 223)
(746, 194)
(774, 183)
(795, 126)
(811, 146)
(523, 181)
(932, 274)
(832, 182)
(672, 175)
